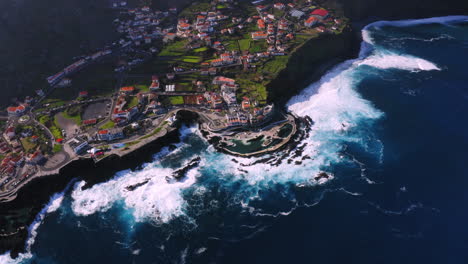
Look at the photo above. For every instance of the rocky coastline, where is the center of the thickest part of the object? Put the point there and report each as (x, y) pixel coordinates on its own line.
(303, 68)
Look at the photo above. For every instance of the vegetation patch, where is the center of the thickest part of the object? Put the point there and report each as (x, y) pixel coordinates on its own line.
(258, 46)
(73, 113)
(57, 148)
(202, 49)
(52, 125)
(244, 44)
(108, 125)
(176, 100)
(176, 48)
(132, 102)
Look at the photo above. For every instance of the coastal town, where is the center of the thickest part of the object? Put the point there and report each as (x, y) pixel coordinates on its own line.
(214, 59)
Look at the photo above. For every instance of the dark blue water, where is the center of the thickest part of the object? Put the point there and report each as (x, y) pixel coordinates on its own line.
(390, 127)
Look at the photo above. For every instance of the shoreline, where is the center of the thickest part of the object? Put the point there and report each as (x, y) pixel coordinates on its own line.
(130, 158)
(28, 195)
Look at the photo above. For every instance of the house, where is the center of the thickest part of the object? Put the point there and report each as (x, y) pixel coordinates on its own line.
(204, 71)
(16, 110)
(183, 26)
(246, 104)
(212, 71)
(311, 21)
(169, 37)
(110, 134)
(220, 80)
(259, 35)
(35, 158)
(283, 25)
(217, 62)
(154, 86)
(120, 115)
(127, 90)
(78, 144)
(200, 19)
(320, 13)
(170, 76)
(10, 132)
(279, 6)
(83, 94)
(261, 8)
(216, 101)
(89, 122)
(261, 24)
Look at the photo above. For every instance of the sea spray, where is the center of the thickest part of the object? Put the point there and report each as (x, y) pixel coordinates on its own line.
(53, 205)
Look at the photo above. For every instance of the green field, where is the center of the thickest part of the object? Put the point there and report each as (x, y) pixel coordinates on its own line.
(52, 125)
(191, 11)
(202, 49)
(258, 46)
(176, 100)
(132, 102)
(108, 125)
(275, 65)
(176, 48)
(57, 148)
(142, 88)
(244, 44)
(191, 59)
(76, 117)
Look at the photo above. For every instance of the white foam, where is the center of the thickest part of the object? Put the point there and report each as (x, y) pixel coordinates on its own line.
(157, 200)
(447, 20)
(54, 203)
(22, 258)
(393, 61)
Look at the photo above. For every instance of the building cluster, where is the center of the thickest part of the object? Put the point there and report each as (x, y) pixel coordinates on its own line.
(121, 114)
(16, 165)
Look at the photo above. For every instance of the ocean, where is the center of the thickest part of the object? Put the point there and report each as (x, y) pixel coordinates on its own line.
(389, 128)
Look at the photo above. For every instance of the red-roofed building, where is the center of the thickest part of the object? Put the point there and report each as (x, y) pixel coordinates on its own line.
(89, 122)
(259, 35)
(10, 132)
(311, 21)
(321, 13)
(16, 110)
(35, 158)
(127, 90)
(279, 6)
(109, 135)
(83, 94)
(220, 80)
(246, 103)
(261, 24)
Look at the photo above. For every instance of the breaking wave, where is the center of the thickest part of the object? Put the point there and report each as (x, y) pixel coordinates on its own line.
(340, 115)
(447, 20)
(53, 205)
(153, 198)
